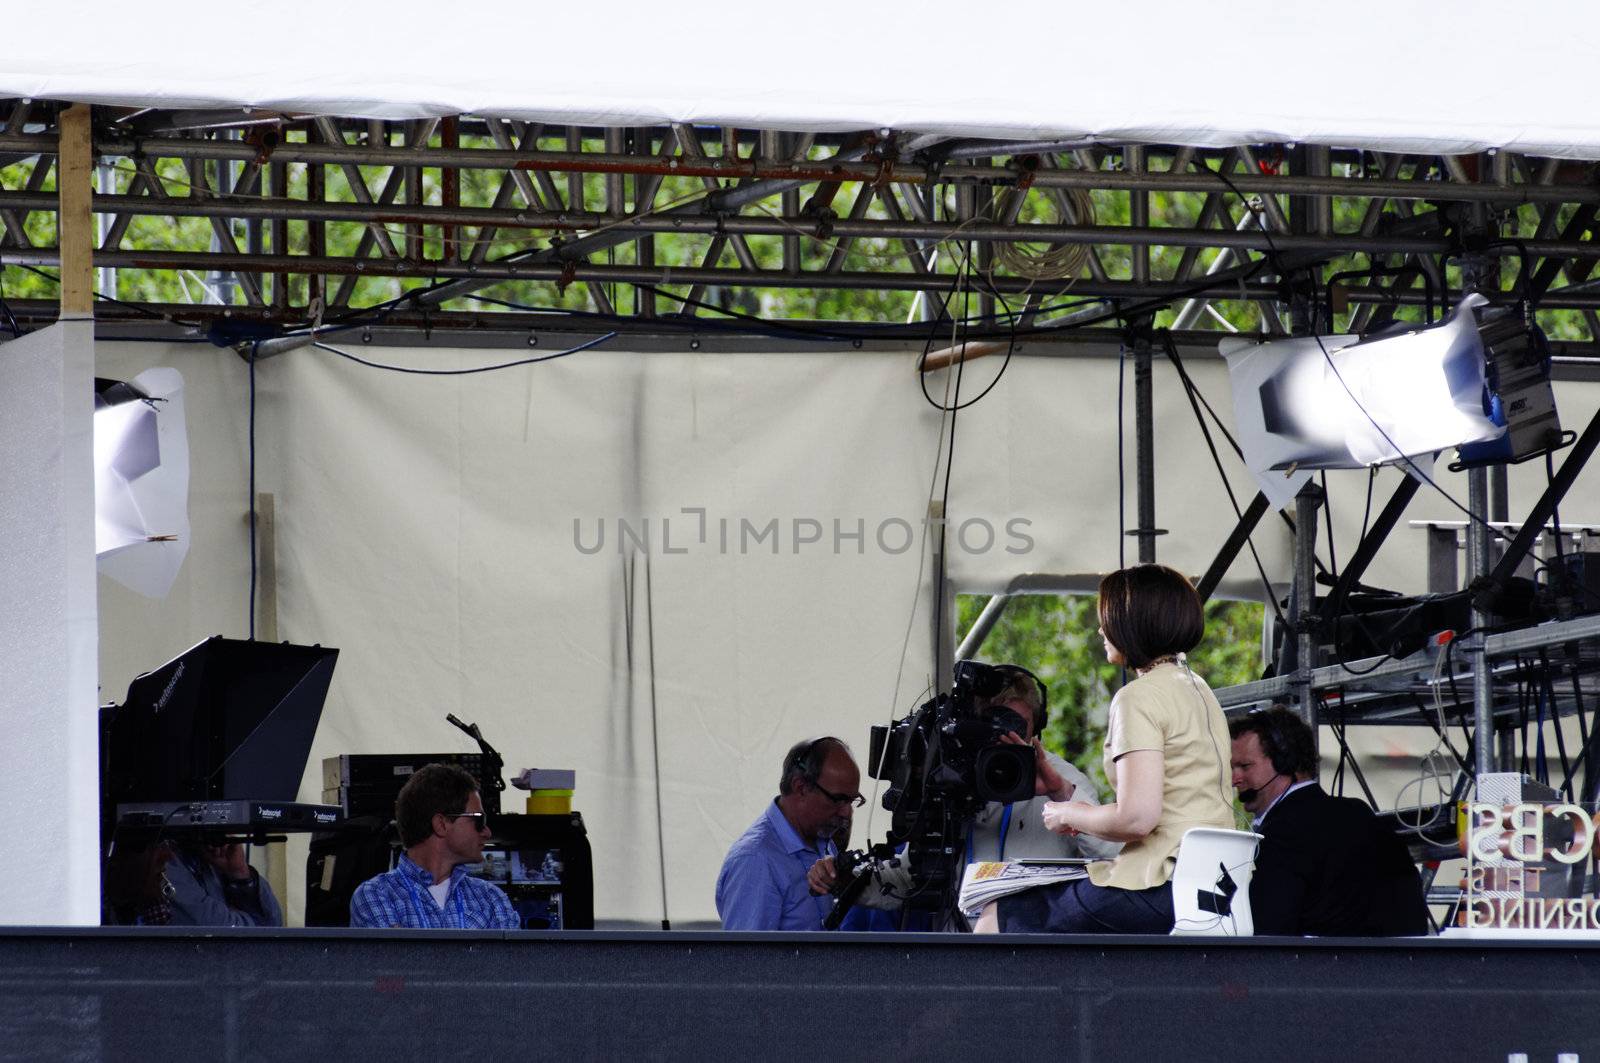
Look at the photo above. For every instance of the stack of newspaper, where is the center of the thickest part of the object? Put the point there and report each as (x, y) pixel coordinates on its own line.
(985, 882)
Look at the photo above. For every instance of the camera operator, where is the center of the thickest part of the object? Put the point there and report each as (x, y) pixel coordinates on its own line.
(193, 883)
(1003, 831)
(763, 882)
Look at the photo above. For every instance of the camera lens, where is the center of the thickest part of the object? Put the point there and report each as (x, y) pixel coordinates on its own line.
(1004, 773)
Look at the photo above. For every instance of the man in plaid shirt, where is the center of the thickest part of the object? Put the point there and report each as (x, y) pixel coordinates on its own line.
(443, 827)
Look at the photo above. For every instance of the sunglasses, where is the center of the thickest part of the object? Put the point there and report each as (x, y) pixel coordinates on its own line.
(480, 820)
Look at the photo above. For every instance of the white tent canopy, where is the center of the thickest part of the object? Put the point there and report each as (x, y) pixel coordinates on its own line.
(1393, 76)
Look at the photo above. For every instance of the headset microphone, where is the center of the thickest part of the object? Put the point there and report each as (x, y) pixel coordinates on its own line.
(1247, 796)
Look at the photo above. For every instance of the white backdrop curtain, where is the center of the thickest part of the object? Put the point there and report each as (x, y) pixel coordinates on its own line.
(426, 527)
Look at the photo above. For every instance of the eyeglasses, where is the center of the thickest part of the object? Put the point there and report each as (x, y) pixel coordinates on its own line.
(841, 799)
(480, 820)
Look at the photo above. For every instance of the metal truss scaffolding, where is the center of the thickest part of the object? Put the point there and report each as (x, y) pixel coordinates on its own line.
(282, 217)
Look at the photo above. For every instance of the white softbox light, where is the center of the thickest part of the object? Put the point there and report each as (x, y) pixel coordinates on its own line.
(141, 483)
(1334, 402)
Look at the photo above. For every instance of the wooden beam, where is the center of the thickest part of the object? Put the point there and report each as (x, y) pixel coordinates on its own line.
(76, 235)
(946, 357)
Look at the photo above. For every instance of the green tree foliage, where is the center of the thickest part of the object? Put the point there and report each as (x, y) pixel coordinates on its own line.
(1055, 637)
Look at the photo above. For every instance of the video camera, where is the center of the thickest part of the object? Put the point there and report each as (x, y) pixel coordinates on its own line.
(951, 747)
(944, 763)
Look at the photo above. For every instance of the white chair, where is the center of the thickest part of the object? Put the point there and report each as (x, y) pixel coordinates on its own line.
(1203, 902)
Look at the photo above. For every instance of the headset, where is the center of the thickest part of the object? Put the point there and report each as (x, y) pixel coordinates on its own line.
(1042, 717)
(1279, 733)
(807, 758)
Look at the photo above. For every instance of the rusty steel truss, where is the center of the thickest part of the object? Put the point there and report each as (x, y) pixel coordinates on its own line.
(665, 222)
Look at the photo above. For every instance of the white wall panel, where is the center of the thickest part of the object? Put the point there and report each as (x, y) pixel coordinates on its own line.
(50, 832)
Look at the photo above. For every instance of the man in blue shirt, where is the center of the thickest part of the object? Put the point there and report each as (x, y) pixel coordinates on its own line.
(763, 881)
(443, 827)
(213, 885)
(190, 883)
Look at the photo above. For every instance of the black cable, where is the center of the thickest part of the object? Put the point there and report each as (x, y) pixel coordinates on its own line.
(860, 331)
(1338, 771)
(942, 575)
(1327, 509)
(1244, 200)
(1344, 748)
(1521, 285)
(251, 604)
(1194, 395)
(1366, 512)
(940, 315)
(941, 572)
(1591, 735)
(1122, 471)
(1338, 651)
(1232, 442)
(373, 365)
(135, 307)
(959, 339)
(1374, 271)
(1555, 508)
(1537, 758)
(366, 317)
(1355, 767)
(1190, 390)
(1541, 761)
(464, 372)
(961, 362)
(1355, 617)
(683, 322)
(1584, 758)
(1011, 347)
(829, 332)
(1549, 694)
(1548, 702)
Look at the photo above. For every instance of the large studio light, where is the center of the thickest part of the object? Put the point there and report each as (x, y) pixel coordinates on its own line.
(141, 480)
(1341, 402)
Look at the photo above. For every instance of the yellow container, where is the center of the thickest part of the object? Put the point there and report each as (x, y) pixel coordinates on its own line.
(549, 802)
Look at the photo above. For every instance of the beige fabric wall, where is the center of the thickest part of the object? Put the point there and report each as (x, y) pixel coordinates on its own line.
(425, 527)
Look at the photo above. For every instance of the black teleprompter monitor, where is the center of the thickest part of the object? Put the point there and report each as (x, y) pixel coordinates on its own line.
(227, 719)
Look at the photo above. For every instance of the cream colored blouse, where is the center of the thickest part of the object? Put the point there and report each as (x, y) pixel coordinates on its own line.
(1170, 709)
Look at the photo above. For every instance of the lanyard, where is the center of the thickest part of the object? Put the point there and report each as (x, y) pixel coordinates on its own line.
(422, 911)
(824, 903)
(1005, 828)
(807, 857)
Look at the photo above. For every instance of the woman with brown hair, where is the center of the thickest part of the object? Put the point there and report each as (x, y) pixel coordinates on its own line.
(1166, 753)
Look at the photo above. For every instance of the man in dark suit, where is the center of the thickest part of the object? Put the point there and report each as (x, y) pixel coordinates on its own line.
(1327, 866)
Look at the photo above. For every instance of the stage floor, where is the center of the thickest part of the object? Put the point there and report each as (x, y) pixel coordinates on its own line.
(167, 994)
